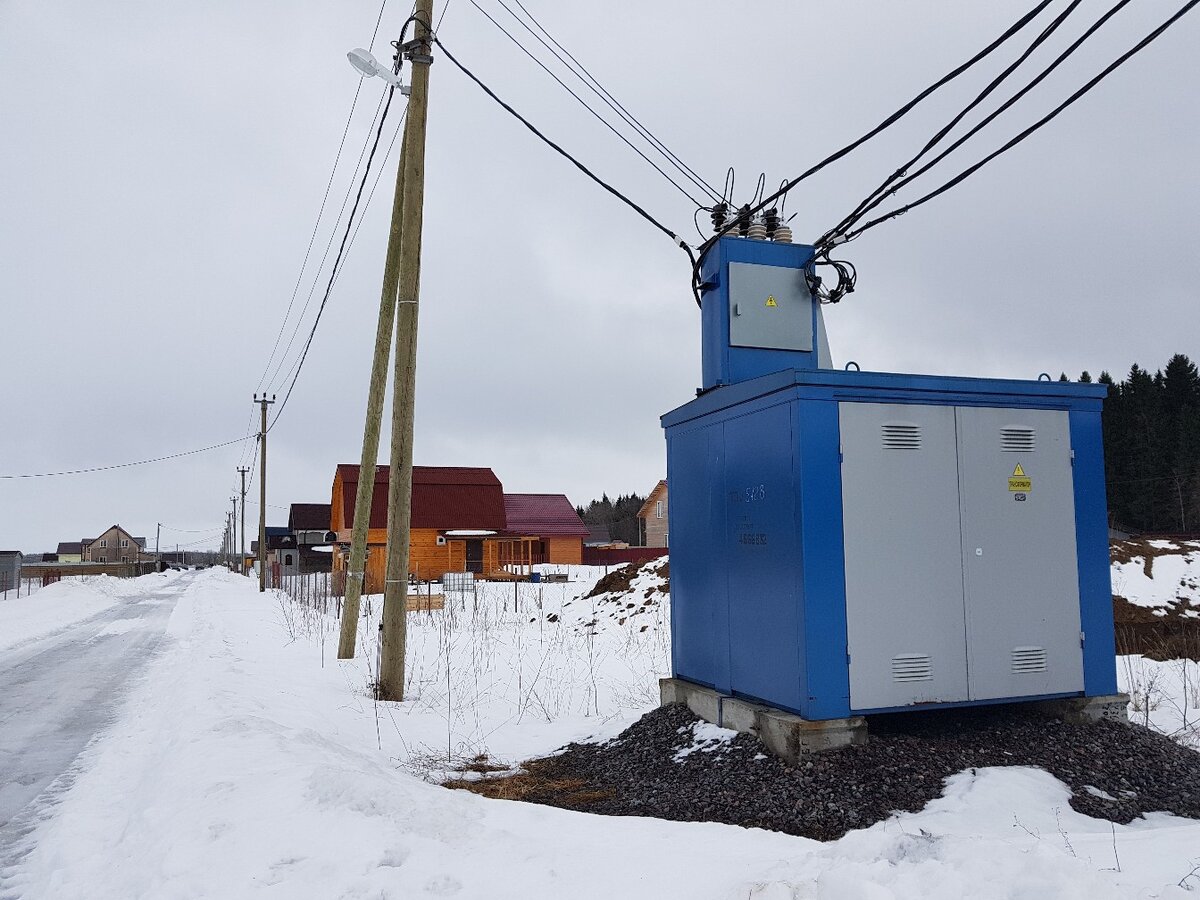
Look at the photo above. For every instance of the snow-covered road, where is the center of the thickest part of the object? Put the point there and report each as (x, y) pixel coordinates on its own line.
(60, 691)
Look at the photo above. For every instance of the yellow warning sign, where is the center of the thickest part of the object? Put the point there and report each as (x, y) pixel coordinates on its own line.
(771, 300)
(1019, 481)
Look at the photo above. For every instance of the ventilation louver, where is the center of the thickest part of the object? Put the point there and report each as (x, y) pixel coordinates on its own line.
(1028, 659)
(901, 436)
(1018, 439)
(912, 667)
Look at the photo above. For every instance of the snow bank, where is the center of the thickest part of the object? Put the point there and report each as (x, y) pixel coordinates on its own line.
(1164, 695)
(249, 763)
(68, 602)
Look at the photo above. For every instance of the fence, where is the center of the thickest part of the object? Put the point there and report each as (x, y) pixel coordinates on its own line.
(599, 556)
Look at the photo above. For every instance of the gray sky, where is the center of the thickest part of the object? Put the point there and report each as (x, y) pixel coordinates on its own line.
(164, 164)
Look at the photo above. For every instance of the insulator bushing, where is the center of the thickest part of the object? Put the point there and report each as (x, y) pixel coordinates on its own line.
(783, 234)
(757, 230)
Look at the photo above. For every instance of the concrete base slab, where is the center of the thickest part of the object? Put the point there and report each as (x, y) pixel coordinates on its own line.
(1086, 710)
(785, 734)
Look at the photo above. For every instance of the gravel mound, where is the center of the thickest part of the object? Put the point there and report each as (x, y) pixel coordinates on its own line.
(670, 765)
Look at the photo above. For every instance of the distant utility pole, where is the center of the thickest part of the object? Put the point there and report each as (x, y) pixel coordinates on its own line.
(233, 532)
(262, 493)
(242, 558)
(157, 555)
(356, 566)
(395, 586)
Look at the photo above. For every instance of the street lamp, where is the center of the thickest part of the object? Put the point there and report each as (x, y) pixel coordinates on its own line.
(368, 66)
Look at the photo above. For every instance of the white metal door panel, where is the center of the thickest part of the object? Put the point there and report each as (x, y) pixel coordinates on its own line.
(904, 593)
(1018, 532)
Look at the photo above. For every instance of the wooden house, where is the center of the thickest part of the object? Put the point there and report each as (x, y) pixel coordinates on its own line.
(114, 545)
(457, 523)
(653, 516)
(553, 521)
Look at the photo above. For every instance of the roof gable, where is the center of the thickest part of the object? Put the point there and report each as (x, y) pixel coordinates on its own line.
(544, 515)
(443, 497)
(657, 493)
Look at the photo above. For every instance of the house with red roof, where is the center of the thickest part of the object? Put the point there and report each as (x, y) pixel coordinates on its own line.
(552, 520)
(457, 522)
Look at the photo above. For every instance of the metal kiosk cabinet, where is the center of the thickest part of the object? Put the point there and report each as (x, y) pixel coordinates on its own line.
(854, 542)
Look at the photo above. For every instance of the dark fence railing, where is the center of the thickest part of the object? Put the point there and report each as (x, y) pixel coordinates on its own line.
(598, 556)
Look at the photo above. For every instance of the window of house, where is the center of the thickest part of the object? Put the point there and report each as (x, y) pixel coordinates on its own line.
(102, 559)
(666, 539)
(103, 543)
(124, 543)
(124, 559)
(658, 509)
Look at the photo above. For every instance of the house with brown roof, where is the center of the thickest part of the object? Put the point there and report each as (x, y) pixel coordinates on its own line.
(552, 520)
(653, 516)
(114, 545)
(457, 522)
(69, 552)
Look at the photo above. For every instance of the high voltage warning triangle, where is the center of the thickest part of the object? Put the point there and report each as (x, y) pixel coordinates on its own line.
(771, 300)
(1018, 472)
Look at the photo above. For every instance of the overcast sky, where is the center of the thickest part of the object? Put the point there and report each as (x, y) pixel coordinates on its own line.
(164, 163)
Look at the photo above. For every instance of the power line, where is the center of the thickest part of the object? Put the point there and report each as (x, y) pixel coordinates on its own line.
(611, 104)
(968, 172)
(275, 379)
(889, 187)
(830, 236)
(126, 465)
(618, 106)
(321, 211)
(337, 260)
(882, 126)
(580, 166)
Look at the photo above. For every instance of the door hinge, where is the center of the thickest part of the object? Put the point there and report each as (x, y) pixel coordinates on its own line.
(1082, 637)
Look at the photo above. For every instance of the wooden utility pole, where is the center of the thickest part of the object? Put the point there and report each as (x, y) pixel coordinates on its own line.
(242, 558)
(357, 564)
(395, 587)
(157, 555)
(262, 493)
(233, 532)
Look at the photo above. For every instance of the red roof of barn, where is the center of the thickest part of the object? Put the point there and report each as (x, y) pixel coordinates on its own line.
(544, 515)
(444, 497)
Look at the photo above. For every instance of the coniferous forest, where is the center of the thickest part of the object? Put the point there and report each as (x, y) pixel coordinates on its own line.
(1152, 447)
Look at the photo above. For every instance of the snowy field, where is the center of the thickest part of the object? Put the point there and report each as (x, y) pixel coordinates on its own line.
(246, 761)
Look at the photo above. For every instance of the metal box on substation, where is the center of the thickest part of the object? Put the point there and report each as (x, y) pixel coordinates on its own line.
(848, 542)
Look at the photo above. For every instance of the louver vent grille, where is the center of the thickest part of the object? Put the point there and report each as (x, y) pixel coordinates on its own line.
(912, 667)
(898, 436)
(1028, 659)
(1018, 439)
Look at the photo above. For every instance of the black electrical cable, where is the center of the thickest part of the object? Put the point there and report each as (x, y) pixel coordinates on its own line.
(581, 72)
(320, 211)
(580, 166)
(886, 189)
(829, 238)
(966, 173)
(126, 465)
(586, 105)
(337, 260)
(886, 123)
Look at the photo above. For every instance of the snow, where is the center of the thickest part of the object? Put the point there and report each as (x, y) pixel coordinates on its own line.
(1164, 695)
(247, 762)
(1174, 578)
(706, 738)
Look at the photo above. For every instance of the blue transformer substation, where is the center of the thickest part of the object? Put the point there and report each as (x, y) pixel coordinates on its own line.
(850, 542)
